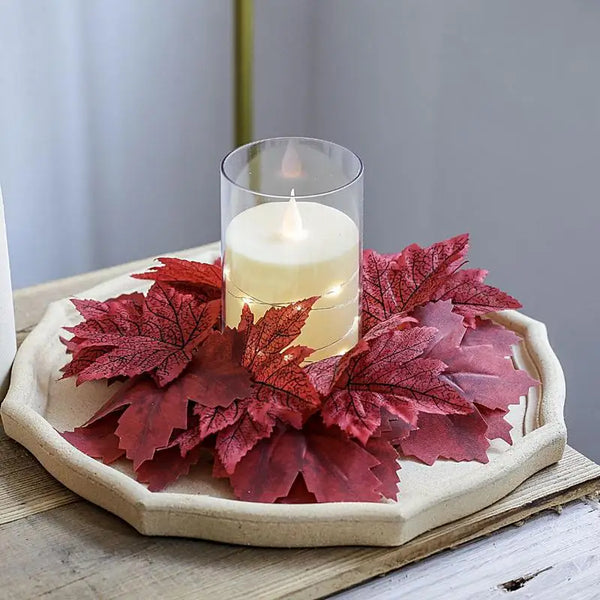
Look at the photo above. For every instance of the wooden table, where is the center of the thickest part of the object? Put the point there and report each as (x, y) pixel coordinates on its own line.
(55, 545)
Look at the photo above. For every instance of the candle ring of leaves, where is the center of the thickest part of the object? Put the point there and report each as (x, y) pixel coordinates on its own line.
(430, 379)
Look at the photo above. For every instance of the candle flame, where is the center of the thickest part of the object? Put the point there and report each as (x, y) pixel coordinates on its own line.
(291, 224)
(291, 166)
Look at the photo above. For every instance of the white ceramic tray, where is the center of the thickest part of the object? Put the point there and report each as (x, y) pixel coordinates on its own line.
(38, 405)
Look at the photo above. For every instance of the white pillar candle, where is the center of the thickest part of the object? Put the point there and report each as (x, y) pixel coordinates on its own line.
(281, 252)
(8, 342)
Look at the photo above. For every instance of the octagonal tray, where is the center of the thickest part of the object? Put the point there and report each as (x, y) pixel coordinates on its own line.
(38, 405)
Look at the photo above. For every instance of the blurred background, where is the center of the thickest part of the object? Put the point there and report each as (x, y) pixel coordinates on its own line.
(470, 115)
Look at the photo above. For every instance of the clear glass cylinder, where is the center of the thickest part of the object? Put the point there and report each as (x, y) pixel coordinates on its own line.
(291, 228)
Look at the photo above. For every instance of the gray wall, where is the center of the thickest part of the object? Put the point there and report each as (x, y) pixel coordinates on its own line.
(470, 115)
(114, 115)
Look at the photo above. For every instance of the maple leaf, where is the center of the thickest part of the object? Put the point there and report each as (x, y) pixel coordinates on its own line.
(477, 367)
(274, 331)
(205, 278)
(422, 270)
(234, 442)
(487, 379)
(210, 419)
(216, 376)
(390, 375)
(471, 297)
(399, 283)
(488, 333)
(378, 277)
(281, 387)
(482, 372)
(151, 415)
(173, 325)
(456, 437)
(167, 466)
(497, 426)
(98, 439)
(121, 315)
(82, 359)
(387, 469)
(334, 468)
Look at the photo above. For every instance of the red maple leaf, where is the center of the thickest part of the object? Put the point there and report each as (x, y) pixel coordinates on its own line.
(400, 283)
(83, 357)
(274, 331)
(471, 297)
(98, 439)
(173, 326)
(216, 377)
(334, 468)
(151, 415)
(421, 271)
(387, 372)
(167, 466)
(488, 333)
(497, 426)
(378, 278)
(387, 469)
(121, 316)
(205, 278)
(457, 437)
(477, 367)
(234, 442)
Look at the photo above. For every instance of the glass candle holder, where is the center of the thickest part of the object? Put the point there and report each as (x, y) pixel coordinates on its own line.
(291, 228)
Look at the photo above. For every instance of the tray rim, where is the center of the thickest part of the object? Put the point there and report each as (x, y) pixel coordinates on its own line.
(237, 521)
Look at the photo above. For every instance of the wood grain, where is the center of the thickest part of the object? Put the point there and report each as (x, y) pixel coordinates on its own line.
(57, 546)
(558, 553)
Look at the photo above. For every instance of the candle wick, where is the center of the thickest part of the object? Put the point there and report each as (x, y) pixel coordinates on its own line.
(291, 224)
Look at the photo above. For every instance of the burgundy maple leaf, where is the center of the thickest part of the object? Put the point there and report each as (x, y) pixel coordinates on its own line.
(477, 366)
(386, 373)
(120, 316)
(471, 297)
(398, 283)
(457, 437)
(204, 278)
(333, 467)
(151, 415)
(173, 326)
(98, 439)
(167, 466)
(237, 439)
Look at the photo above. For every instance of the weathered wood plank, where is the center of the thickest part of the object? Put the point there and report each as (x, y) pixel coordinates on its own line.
(562, 560)
(25, 487)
